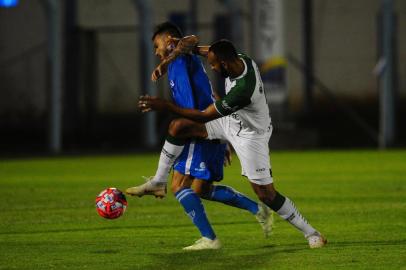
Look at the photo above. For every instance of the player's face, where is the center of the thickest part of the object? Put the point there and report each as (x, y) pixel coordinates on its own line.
(161, 46)
(217, 65)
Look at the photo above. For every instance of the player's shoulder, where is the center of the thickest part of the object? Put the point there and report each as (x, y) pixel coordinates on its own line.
(248, 60)
(244, 56)
(187, 60)
(180, 60)
(250, 68)
(178, 65)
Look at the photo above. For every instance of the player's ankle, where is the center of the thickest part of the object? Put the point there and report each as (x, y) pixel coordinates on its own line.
(158, 182)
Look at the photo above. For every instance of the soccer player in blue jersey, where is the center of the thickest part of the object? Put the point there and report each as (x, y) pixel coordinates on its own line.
(200, 161)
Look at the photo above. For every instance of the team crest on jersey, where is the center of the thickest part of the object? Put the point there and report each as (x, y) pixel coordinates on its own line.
(202, 167)
(172, 83)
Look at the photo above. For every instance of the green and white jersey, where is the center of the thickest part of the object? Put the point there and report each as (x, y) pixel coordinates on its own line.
(245, 99)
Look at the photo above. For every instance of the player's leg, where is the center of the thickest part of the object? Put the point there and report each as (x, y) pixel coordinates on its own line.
(229, 196)
(286, 209)
(181, 187)
(224, 194)
(254, 158)
(179, 131)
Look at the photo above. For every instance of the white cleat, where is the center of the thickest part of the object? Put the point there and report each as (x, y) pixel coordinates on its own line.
(265, 218)
(316, 240)
(204, 243)
(148, 188)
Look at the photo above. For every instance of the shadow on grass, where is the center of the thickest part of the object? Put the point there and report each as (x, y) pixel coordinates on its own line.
(400, 242)
(115, 227)
(249, 258)
(245, 258)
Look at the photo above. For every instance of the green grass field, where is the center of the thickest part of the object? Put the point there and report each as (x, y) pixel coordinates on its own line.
(357, 199)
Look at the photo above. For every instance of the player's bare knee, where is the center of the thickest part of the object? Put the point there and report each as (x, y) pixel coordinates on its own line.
(198, 191)
(266, 199)
(180, 181)
(266, 193)
(202, 188)
(175, 187)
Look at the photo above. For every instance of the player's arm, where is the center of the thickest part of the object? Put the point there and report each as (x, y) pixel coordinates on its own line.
(147, 103)
(201, 50)
(216, 95)
(184, 45)
(236, 99)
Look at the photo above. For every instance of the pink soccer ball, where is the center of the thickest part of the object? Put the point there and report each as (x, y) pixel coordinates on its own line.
(111, 203)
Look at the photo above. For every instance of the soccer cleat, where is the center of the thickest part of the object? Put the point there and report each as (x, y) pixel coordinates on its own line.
(204, 243)
(148, 188)
(316, 240)
(265, 218)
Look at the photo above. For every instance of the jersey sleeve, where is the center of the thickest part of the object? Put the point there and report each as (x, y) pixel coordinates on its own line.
(238, 97)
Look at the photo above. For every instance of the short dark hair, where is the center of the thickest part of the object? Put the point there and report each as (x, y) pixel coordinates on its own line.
(224, 50)
(167, 27)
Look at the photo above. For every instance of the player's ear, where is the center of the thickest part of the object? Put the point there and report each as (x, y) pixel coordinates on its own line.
(170, 45)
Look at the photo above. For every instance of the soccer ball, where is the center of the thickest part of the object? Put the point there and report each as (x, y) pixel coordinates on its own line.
(111, 203)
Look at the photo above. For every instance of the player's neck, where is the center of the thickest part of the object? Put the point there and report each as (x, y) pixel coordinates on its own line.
(236, 68)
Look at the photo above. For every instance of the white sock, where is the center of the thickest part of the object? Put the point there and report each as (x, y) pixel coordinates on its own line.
(289, 212)
(169, 154)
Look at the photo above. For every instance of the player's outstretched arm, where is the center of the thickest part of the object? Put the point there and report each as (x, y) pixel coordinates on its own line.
(147, 103)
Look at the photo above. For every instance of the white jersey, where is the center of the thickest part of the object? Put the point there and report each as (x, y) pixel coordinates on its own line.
(245, 100)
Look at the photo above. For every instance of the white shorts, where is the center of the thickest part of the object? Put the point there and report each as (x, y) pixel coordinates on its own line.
(252, 149)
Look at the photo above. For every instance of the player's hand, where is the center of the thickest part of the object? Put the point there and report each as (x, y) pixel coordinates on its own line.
(227, 156)
(159, 71)
(148, 103)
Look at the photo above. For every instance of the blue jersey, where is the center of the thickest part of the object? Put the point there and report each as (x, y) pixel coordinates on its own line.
(191, 89)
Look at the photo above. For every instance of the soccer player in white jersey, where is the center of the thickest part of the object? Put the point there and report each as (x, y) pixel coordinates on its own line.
(242, 118)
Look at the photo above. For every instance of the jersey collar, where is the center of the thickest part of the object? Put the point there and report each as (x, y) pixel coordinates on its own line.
(243, 73)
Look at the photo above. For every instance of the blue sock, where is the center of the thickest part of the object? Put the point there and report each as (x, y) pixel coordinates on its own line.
(231, 197)
(194, 209)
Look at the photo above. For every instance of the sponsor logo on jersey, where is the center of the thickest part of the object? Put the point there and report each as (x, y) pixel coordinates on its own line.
(260, 170)
(235, 116)
(172, 84)
(225, 105)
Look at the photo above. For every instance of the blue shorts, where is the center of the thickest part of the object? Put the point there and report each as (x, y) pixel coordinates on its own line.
(202, 159)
